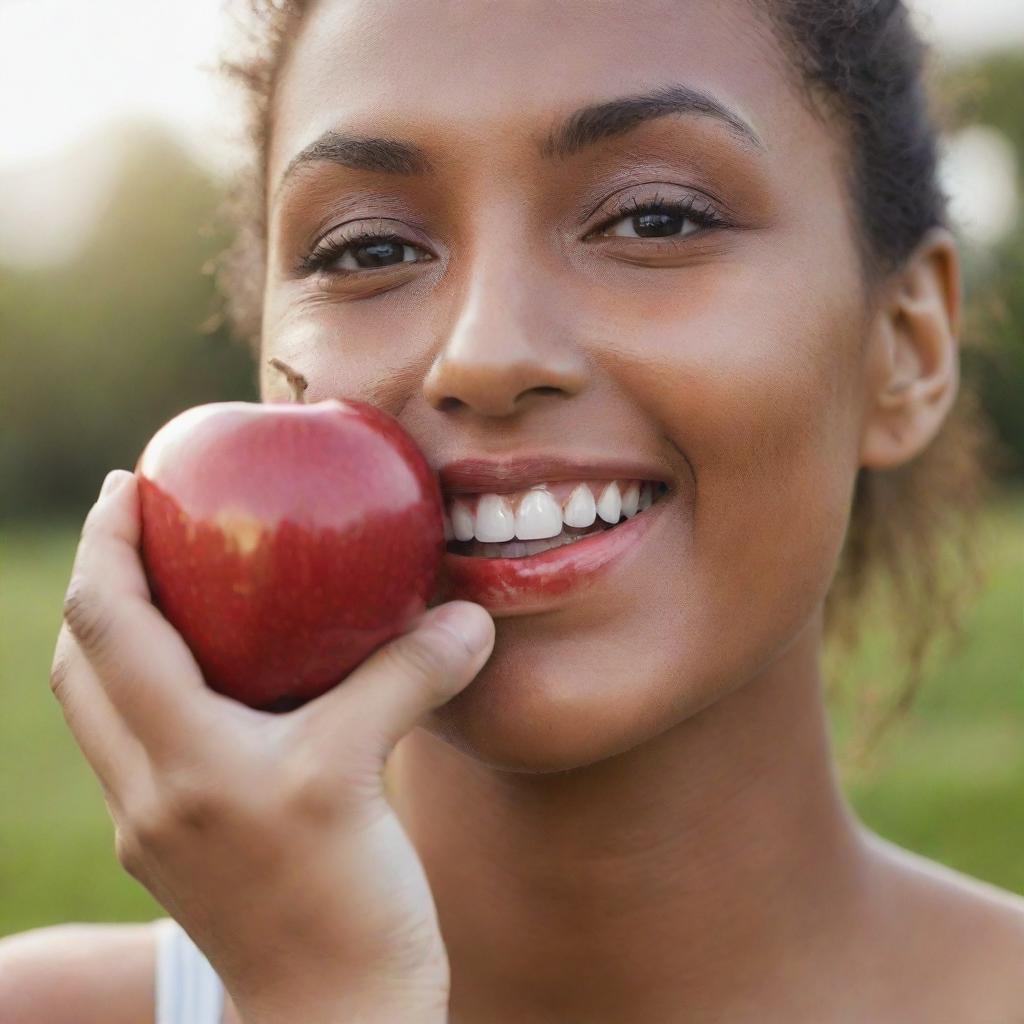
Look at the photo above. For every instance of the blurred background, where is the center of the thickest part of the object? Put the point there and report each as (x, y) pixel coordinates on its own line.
(117, 142)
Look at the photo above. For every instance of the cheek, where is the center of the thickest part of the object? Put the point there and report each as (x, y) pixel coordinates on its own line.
(752, 381)
(755, 380)
(760, 398)
(371, 353)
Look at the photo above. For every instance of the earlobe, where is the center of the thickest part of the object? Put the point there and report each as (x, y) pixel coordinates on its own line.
(913, 371)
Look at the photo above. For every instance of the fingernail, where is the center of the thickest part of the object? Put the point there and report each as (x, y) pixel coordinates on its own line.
(470, 622)
(112, 481)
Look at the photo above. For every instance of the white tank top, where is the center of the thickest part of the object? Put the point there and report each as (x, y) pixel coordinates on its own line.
(188, 990)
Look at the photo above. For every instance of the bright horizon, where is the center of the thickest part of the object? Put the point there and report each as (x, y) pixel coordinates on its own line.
(67, 69)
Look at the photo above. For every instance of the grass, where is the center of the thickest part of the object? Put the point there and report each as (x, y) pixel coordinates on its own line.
(949, 778)
(947, 781)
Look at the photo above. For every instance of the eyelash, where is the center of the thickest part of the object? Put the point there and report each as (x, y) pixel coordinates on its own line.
(693, 208)
(333, 247)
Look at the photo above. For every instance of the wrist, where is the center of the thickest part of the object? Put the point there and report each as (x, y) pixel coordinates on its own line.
(339, 1016)
(346, 1015)
(348, 1007)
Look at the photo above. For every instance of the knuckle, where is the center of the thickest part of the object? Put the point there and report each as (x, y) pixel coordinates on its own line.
(92, 524)
(59, 672)
(179, 806)
(147, 826)
(83, 612)
(129, 852)
(190, 804)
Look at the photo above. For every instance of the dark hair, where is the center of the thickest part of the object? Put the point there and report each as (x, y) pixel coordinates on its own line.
(863, 60)
(861, 65)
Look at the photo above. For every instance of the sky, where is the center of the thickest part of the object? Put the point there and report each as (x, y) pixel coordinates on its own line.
(67, 67)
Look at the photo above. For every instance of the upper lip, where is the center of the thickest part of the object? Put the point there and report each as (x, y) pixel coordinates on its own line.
(498, 476)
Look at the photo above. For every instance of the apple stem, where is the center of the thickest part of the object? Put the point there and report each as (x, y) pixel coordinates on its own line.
(296, 381)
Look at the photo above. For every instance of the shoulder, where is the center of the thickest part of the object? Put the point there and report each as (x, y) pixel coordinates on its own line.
(78, 974)
(82, 974)
(962, 938)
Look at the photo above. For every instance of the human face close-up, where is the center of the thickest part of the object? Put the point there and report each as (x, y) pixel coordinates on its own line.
(669, 292)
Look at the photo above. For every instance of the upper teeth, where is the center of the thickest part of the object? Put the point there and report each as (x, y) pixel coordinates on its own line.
(538, 514)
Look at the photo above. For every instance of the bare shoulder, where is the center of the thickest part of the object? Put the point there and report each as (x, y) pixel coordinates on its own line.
(82, 974)
(78, 974)
(962, 938)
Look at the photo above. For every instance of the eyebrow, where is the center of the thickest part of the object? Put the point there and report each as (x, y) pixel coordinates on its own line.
(600, 121)
(585, 127)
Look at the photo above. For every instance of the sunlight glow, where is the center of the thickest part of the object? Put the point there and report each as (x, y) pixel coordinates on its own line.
(69, 68)
(979, 173)
(66, 67)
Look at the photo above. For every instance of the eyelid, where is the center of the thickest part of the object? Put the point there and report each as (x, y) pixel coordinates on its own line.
(341, 240)
(380, 224)
(708, 216)
(697, 203)
(678, 190)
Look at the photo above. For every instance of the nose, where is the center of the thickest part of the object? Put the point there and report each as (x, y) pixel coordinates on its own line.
(507, 347)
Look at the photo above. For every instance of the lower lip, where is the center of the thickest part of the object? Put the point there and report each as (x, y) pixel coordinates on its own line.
(531, 584)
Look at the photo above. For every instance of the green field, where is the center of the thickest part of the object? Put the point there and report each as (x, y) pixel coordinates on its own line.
(947, 782)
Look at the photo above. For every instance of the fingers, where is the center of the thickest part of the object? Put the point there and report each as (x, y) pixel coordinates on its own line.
(114, 754)
(395, 687)
(143, 664)
(154, 684)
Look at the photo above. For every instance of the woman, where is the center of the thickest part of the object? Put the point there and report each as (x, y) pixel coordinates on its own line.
(694, 249)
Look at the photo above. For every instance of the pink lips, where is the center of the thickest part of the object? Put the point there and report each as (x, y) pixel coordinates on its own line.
(510, 585)
(468, 476)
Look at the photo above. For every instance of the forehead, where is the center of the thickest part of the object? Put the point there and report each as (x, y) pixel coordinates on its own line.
(498, 73)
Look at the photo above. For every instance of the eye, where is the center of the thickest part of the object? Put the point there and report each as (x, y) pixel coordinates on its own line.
(362, 251)
(660, 218)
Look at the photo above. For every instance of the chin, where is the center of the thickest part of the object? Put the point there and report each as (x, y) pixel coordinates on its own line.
(559, 693)
(552, 700)
(652, 647)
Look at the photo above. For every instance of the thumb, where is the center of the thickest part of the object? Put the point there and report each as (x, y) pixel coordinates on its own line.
(415, 673)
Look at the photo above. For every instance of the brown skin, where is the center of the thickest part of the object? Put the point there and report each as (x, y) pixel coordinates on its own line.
(632, 813)
(694, 858)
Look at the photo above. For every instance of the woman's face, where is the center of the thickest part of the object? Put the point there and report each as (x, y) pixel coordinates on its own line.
(666, 290)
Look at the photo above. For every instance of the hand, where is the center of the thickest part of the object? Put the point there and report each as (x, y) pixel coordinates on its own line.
(268, 837)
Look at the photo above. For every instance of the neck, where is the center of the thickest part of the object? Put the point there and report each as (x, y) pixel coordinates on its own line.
(685, 872)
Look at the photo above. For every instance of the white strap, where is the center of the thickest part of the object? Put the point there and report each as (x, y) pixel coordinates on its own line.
(188, 990)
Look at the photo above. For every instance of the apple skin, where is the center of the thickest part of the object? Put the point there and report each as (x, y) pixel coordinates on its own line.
(286, 542)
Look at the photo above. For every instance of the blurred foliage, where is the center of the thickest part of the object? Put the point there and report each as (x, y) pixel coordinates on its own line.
(98, 353)
(990, 91)
(945, 782)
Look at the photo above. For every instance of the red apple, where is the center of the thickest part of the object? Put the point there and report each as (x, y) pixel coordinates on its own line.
(286, 542)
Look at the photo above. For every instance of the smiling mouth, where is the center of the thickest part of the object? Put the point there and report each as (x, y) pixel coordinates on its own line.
(544, 516)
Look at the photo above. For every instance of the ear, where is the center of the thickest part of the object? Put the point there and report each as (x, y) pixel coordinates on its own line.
(913, 363)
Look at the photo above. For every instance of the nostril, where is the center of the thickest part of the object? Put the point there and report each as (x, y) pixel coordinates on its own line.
(539, 390)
